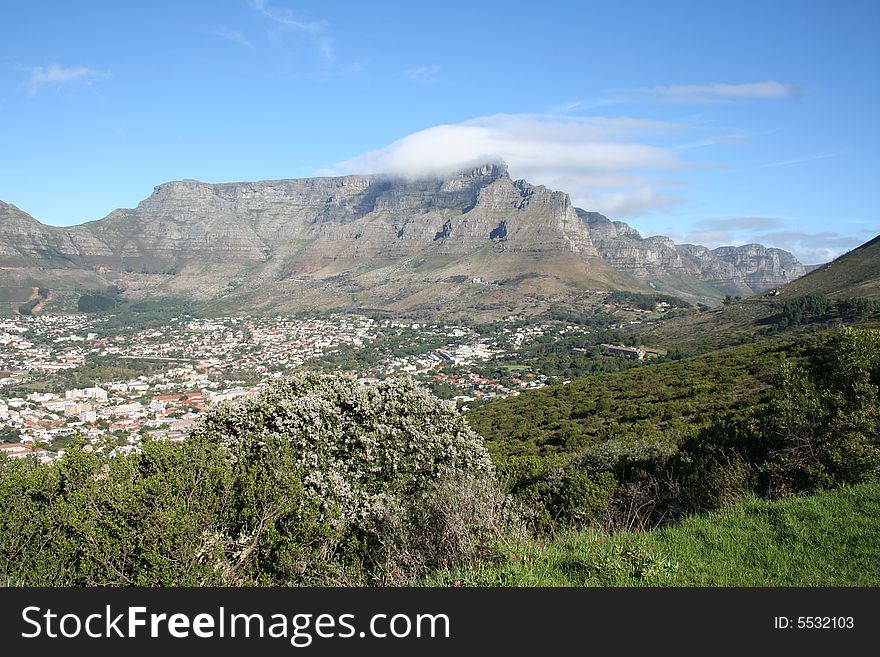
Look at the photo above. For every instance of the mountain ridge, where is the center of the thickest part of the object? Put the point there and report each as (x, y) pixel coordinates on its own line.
(389, 242)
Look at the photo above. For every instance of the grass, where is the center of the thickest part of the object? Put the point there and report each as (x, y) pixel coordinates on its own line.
(829, 539)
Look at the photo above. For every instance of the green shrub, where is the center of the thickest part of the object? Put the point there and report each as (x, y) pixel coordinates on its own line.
(451, 522)
(95, 302)
(579, 499)
(374, 456)
(361, 447)
(822, 426)
(627, 460)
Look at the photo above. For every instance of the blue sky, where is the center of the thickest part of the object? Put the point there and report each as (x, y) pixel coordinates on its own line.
(711, 122)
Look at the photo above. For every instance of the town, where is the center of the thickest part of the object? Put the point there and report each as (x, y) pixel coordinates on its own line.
(63, 376)
(192, 364)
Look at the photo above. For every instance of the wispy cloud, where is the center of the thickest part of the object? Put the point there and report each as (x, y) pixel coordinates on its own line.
(583, 105)
(725, 231)
(325, 47)
(423, 74)
(606, 164)
(811, 248)
(56, 76)
(286, 19)
(801, 160)
(722, 92)
(349, 69)
(232, 35)
(684, 94)
(721, 135)
(740, 223)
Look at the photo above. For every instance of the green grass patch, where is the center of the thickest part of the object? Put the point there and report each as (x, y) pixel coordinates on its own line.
(829, 539)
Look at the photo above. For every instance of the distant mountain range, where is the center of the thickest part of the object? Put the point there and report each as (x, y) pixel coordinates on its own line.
(473, 241)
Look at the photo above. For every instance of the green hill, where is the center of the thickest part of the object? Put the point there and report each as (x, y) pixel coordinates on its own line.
(663, 402)
(854, 274)
(653, 445)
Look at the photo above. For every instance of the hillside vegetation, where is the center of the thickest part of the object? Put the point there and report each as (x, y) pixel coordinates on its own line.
(323, 480)
(844, 291)
(318, 481)
(646, 447)
(665, 402)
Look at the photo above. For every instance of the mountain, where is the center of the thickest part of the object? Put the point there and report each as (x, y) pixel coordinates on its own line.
(472, 241)
(689, 270)
(33, 255)
(854, 274)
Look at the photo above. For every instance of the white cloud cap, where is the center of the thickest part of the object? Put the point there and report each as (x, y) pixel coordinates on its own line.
(601, 162)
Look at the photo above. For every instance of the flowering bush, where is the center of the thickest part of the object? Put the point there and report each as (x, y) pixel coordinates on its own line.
(361, 447)
(377, 460)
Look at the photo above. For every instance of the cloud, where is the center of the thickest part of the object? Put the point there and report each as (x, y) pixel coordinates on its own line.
(727, 231)
(739, 223)
(55, 75)
(284, 19)
(812, 248)
(712, 238)
(325, 47)
(605, 164)
(800, 160)
(232, 35)
(354, 68)
(814, 240)
(423, 74)
(724, 92)
(586, 104)
(630, 203)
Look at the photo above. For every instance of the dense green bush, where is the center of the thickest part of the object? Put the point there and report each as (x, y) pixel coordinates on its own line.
(361, 447)
(95, 302)
(804, 309)
(127, 521)
(823, 425)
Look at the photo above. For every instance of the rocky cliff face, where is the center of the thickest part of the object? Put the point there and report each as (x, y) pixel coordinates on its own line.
(351, 216)
(742, 270)
(383, 239)
(761, 267)
(25, 241)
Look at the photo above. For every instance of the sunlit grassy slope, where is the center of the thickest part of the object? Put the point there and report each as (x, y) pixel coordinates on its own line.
(830, 539)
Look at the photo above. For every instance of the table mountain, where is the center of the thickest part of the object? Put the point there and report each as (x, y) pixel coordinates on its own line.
(475, 240)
